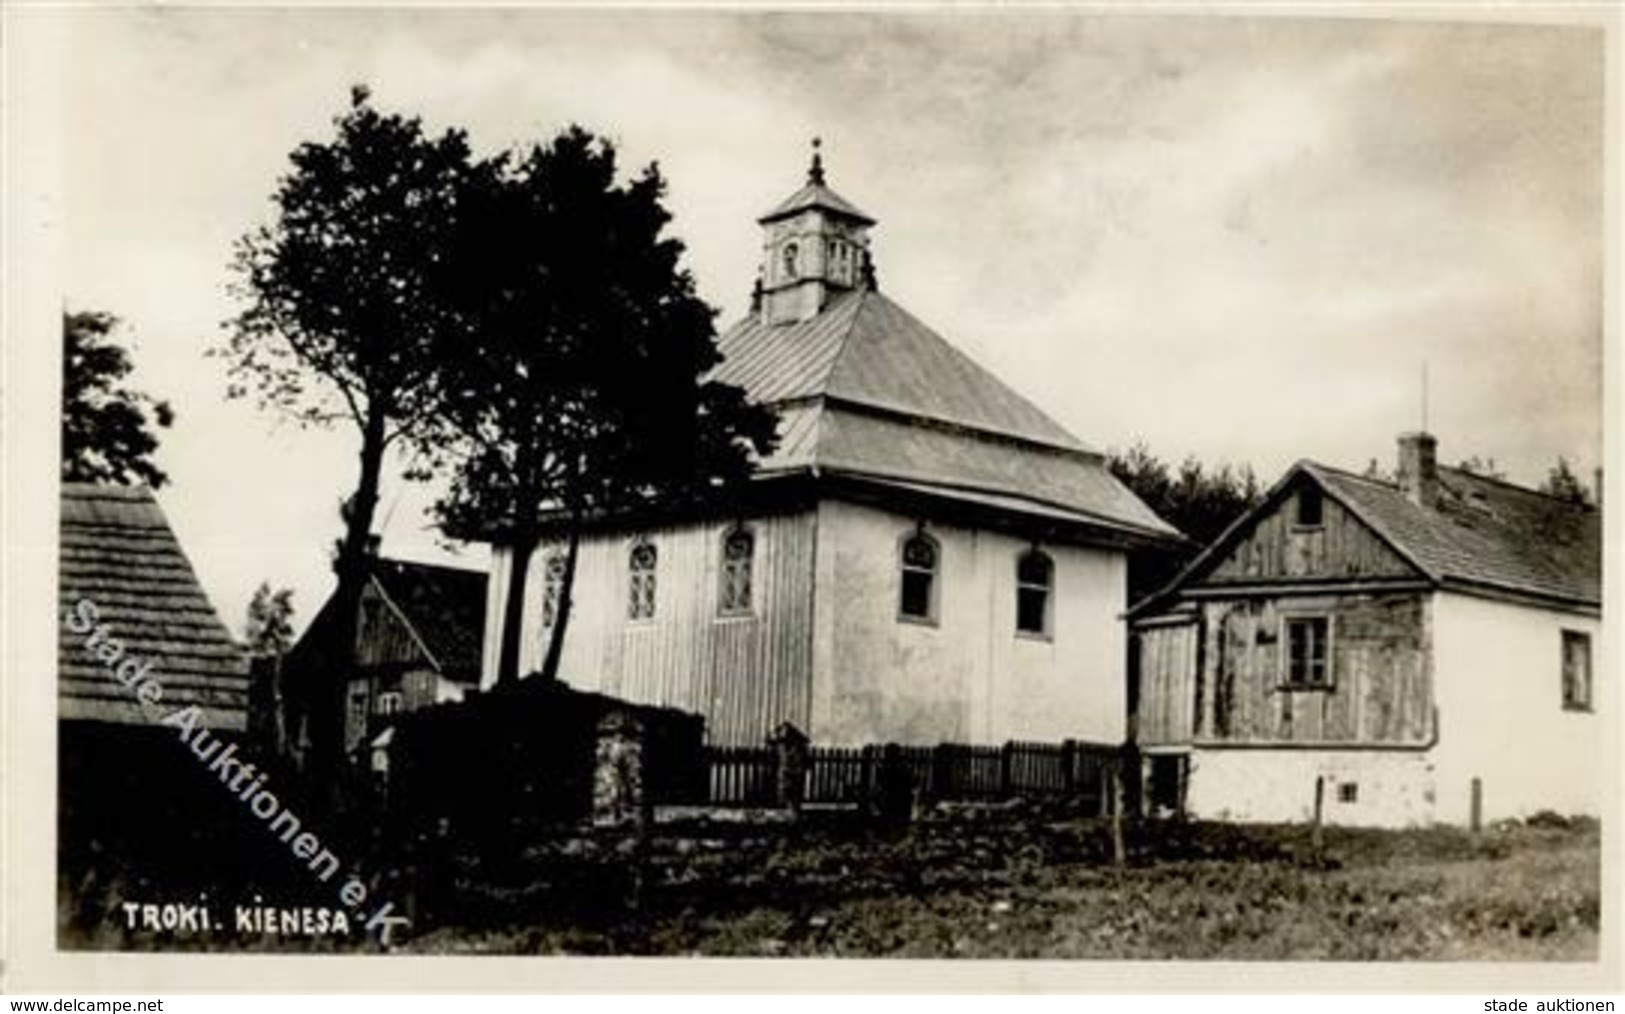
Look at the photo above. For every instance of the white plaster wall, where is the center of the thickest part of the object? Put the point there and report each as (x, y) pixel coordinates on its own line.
(970, 677)
(1499, 672)
(1394, 788)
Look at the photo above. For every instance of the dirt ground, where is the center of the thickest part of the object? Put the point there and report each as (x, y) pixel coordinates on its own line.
(1029, 886)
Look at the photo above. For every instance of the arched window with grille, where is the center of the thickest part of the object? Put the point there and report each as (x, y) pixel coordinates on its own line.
(917, 601)
(792, 267)
(738, 566)
(552, 589)
(1035, 580)
(641, 566)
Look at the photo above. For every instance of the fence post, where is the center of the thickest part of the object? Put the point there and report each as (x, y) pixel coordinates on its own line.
(1315, 839)
(866, 778)
(790, 766)
(1006, 756)
(942, 771)
(1477, 813)
(1118, 849)
(1069, 772)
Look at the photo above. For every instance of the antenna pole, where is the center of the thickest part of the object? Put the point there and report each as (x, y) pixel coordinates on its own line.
(1424, 396)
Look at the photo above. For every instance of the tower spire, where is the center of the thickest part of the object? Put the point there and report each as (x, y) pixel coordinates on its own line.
(815, 172)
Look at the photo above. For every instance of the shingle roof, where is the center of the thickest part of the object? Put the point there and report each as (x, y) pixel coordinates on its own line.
(815, 195)
(445, 606)
(1483, 532)
(865, 388)
(117, 550)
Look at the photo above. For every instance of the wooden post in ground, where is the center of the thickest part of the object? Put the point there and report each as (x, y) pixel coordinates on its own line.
(1477, 813)
(1118, 850)
(1315, 839)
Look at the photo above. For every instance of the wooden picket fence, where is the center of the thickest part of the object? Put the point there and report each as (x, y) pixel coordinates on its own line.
(748, 776)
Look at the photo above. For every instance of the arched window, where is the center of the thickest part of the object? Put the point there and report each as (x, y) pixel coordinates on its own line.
(552, 589)
(641, 564)
(791, 255)
(1035, 576)
(918, 599)
(738, 560)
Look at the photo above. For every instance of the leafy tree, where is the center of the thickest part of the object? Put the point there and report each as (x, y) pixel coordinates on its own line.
(268, 629)
(576, 386)
(1562, 483)
(107, 431)
(343, 303)
(1200, 501)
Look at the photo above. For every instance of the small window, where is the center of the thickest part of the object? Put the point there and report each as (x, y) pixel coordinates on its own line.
(791, 254)
(1348, 792)
(640, 604)
(1034, 575)
(919, 579)
(1306, 652)
(738, 560)
(1310, 507)
(389, 702)
(1576, 671)
(552, 589)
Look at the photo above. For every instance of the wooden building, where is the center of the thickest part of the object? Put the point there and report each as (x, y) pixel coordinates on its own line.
(417, 644)
(138, 641)
(925, 557)
(1424, 648)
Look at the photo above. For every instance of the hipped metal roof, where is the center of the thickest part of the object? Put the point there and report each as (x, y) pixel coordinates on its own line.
(864, 389)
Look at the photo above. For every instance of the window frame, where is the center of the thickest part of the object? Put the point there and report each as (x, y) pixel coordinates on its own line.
(725, 611)
(388, 703)
(1285, 680)
(1314, 495)
(933, 613)
(1046, 631)
(651, 575)
(1576, 703)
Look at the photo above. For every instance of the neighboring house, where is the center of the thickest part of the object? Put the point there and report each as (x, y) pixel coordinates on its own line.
(925, 557)
(119, 554)
(417, 644)
(1412, 644)
(131, 614)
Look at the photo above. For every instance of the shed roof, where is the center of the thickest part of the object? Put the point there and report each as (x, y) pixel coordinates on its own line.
(118, 551)
(865, 388)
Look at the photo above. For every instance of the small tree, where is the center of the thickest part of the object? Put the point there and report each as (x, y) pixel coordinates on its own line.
(575, 387)
(107, 431)
(343, 303)
(1562, 483)
(268, 629)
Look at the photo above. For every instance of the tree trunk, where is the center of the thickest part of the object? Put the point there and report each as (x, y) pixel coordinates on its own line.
(561, 618)
(521, 550)
(329, 723)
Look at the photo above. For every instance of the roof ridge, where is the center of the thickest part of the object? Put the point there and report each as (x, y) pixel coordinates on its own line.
(1508, 484)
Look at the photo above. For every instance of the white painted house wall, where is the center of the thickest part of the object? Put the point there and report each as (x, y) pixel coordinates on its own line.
(825, 647)
(970, 677)
(1501, 715)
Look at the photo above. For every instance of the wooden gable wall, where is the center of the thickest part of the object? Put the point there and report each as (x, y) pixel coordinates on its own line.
(1276, 548)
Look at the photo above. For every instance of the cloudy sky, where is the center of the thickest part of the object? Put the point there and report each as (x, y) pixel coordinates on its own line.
(1234, 237)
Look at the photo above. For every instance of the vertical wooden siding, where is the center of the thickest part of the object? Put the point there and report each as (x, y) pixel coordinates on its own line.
(1340, 547)
(745, 674)
(1380, 664)
(1167, 675)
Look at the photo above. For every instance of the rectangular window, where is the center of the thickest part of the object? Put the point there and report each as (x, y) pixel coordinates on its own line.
(1310, 507)
(1034, 574)
(1307, 652)
(389, 702)
(1348, 792)
(1576, 671)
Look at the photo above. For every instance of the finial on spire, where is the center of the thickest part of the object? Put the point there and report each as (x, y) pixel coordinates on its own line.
(815, 173)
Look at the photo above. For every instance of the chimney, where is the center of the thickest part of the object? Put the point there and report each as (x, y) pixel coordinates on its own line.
(1419, 468)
